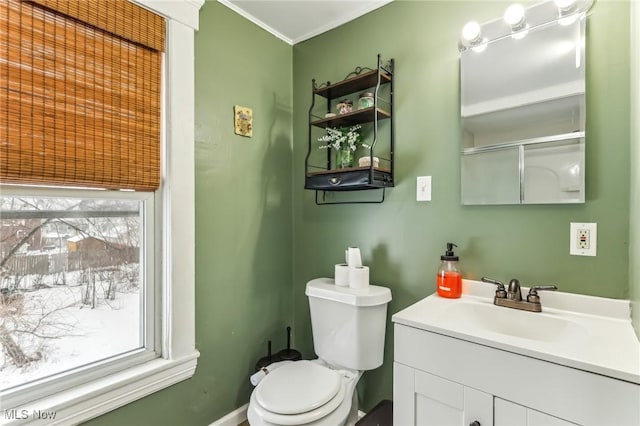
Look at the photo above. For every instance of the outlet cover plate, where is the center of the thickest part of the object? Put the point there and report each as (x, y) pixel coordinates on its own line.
(423, 188)
(583, 239)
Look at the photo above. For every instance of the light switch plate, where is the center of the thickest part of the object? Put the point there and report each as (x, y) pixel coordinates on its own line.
(423, 188)
(583, 239)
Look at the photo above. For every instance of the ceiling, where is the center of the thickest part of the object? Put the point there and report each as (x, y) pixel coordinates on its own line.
(294, 21)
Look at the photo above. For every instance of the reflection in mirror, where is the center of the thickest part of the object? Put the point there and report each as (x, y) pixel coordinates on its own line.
(491, 177)
(523, 107)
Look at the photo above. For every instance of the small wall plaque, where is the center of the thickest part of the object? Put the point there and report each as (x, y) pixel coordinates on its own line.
(243, 118)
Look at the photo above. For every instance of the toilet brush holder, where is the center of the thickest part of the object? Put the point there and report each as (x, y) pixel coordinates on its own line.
(266, 360)
(289, 354)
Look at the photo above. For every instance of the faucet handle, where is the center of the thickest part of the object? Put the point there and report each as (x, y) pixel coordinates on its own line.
(500, 291)
(533, 297)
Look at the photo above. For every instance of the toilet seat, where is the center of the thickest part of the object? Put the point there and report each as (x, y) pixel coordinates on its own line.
(298, 419)
(287, 390)
(302, 392)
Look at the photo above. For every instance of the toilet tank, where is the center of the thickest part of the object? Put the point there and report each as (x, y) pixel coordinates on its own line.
(348, 324)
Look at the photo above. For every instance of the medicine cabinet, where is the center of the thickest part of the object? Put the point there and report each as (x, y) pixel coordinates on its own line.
(522, 104)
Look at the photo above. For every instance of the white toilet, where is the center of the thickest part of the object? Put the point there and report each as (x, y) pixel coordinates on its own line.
(348, 336)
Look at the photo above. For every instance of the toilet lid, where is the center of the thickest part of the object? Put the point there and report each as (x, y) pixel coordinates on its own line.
(297, 388)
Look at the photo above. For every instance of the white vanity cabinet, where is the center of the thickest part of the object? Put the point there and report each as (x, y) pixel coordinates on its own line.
(442, 380)
(426, 399)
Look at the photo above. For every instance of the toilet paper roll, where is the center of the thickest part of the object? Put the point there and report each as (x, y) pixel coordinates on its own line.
(359, 277)
(342, 275)
(354, 259)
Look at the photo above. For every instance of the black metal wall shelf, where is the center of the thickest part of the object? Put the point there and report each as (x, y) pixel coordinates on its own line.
(323, 176)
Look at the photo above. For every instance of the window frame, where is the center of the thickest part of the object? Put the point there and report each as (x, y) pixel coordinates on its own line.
(175, 246)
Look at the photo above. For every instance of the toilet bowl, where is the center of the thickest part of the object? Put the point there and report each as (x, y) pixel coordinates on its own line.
(308, 393)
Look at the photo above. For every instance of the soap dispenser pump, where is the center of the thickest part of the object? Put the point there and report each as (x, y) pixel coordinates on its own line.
(449, 278)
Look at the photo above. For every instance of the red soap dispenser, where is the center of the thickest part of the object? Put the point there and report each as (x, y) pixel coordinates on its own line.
(449, 279)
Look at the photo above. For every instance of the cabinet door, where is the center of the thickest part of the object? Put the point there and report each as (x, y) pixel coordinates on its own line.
(441, 402)
(510, 414)
(403, 395)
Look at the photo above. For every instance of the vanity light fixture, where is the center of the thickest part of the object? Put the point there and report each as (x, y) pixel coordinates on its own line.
(477, 37)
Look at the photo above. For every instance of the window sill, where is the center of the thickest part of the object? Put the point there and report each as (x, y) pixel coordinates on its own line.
(103, 395)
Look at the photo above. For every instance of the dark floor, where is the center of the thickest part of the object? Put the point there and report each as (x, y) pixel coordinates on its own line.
(380, 415)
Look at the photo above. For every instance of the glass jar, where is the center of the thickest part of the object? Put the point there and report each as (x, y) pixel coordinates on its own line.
(366, 100)
(345, 158)
(345, 106)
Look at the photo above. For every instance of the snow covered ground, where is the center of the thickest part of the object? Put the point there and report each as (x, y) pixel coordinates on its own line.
(83, 334)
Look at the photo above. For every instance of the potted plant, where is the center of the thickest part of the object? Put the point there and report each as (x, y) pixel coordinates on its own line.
(344, 141)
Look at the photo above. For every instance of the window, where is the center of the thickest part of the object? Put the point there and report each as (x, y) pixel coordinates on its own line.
(77, 286)
(163, 348)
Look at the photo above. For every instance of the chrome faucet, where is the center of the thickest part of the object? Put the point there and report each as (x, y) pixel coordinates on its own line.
(512, 296)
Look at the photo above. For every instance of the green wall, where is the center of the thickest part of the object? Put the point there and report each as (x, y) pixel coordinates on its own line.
(243, 205)
(401, 239)
(243, 221)
(260, 237)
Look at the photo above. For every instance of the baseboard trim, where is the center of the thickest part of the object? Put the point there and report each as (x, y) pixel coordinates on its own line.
(234, 418)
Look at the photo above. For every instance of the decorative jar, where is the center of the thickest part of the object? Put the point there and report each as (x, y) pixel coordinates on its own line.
(345, 106)
(366, 100)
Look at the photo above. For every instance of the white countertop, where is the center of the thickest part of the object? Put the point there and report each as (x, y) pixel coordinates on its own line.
(584, 332)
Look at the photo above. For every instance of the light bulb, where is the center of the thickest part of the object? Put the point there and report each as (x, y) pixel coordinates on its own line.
(471, 32)
(514, 16)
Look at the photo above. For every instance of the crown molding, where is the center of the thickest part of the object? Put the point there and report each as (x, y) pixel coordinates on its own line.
(314, 32)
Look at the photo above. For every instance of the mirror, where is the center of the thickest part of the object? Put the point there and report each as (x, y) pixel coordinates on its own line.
(522, 105)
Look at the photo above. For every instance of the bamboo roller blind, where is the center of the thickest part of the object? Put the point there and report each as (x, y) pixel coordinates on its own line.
(80, 93)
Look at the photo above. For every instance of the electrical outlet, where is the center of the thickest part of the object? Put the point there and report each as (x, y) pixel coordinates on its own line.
(583, 239)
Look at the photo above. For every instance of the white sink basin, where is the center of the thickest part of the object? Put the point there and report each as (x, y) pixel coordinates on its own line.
(516, 323)
(584, 332)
